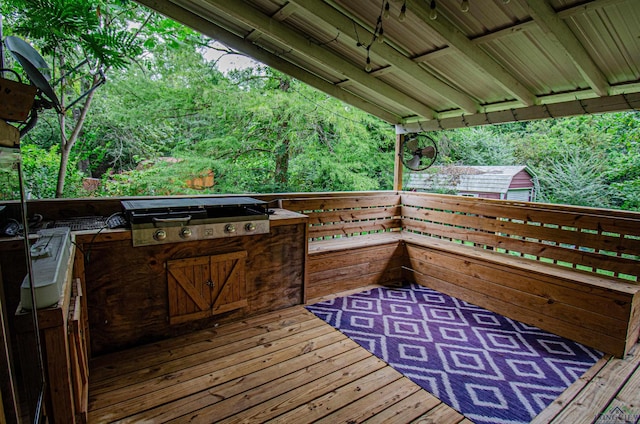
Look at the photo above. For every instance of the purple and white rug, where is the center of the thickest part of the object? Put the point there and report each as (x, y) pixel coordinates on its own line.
(490, 368)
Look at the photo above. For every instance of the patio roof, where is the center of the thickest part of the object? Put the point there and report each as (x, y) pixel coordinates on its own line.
(501, 61)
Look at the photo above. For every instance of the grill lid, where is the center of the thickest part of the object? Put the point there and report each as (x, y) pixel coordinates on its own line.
(146, 211)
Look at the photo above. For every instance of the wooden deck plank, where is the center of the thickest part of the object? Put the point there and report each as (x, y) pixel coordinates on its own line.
(235, 396)
(271, 394)
(596, 395)
(305, 339)
(407, 409)
(292, 367)
(291, 399)
(373, 403)
(159, 391)
(157, 352)
(627, 400)
(441, 414)
(217, 350)
(337, 398)
(570, 393)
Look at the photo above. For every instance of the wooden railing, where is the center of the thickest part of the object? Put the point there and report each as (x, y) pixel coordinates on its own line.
(602, 242)
(347, 216)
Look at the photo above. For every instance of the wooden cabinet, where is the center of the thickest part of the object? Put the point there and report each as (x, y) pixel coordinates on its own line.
(203, 286)
(138, 295)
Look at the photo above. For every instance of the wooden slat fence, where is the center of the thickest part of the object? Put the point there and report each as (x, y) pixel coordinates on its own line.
(338, 217)
(606, 243)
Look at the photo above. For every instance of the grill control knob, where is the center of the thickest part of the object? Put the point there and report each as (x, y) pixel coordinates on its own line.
(250, 227)
(230, 228)
(185, 232)
(160, 235)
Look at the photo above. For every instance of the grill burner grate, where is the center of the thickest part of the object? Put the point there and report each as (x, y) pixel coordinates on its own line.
(80, 223)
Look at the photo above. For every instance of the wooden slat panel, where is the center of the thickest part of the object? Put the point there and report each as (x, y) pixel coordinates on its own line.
(354, 215)
(347, 228)
(619, 289)
(603, 342)
(588, 259)
(539, 232)
(334, 260)
(547, 291)
(608, 220)
(348, 243)
(573, 315)
(322, 203)
(390, 276)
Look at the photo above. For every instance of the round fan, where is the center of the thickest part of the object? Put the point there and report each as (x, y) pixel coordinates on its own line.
(419, 152)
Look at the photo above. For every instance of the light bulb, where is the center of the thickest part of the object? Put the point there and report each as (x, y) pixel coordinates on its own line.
(368, 65)
(385, 14)
(433, 14)
(464, 6)
(381, 36)
(403, 12)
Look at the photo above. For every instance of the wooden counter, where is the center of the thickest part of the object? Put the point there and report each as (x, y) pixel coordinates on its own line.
(128, 290)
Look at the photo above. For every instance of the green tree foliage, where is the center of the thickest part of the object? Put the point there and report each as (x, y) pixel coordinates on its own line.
(591, 160)
(70, 33)
(173, 116)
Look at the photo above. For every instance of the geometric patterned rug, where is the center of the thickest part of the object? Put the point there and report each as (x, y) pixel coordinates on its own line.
(490, 368)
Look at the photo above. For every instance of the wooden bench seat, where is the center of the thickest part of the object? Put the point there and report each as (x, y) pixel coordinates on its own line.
(571, 271)
(597, 311)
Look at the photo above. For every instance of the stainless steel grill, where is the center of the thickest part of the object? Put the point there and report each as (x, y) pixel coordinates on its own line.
(159, 221)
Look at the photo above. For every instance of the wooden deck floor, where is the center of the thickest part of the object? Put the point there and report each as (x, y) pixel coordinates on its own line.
(289, 366)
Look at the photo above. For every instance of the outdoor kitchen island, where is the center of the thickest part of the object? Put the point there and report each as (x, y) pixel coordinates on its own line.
(141, 294)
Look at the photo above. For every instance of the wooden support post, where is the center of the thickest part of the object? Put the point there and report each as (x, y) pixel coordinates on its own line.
(397, 167)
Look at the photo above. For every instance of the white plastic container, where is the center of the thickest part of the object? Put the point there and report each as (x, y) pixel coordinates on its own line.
(49, 258)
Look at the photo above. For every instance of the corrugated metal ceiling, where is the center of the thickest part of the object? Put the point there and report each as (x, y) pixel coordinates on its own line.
(503, 60)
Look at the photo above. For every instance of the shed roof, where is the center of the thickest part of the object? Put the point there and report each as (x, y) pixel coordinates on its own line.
(502, 61)
(475, 179)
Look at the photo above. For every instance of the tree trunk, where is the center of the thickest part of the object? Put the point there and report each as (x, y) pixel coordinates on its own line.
(67, 144)
(282, 163)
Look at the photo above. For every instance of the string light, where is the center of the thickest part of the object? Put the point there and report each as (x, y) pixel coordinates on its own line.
(386, 13)
(433, 14)
(368, 66)
(464, 6)
(381, 36)
(403, 12)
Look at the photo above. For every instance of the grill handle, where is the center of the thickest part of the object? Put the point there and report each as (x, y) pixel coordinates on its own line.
(181, 220)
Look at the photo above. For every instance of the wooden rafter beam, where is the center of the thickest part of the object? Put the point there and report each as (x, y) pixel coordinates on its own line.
(596, 105)
(332, 19)
(457, 40)
(282, 14)
(322, 56)
(196, 19)
(549, 21)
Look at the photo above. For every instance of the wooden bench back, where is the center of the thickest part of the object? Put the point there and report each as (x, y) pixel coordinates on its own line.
(346, 216)
(603, 242)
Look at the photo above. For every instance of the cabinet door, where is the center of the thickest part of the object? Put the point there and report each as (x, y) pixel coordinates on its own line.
(207, 285)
